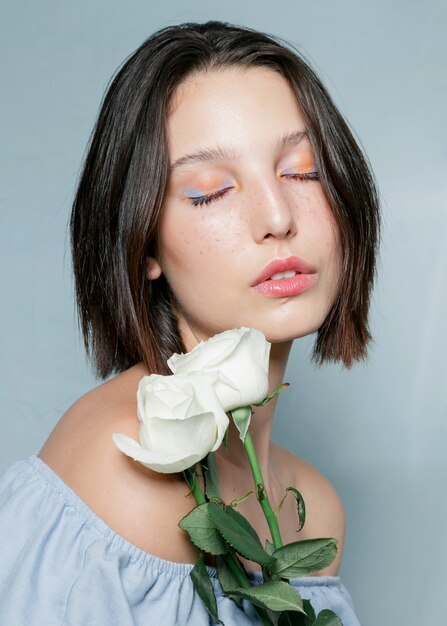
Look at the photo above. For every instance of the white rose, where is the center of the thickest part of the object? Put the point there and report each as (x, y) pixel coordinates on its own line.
(240, 360)
(181, 420)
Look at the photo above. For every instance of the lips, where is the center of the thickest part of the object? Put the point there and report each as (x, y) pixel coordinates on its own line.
(276, 278)
(279, 266)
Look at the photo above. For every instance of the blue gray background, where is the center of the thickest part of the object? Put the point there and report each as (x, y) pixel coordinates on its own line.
(377, 431)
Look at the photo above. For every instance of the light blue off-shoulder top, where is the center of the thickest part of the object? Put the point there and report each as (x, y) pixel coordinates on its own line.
(60, 564)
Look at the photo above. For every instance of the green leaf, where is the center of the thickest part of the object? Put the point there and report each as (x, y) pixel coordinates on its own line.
(211, 477)
(277, 391)
(304, 557)
(266, 572)
(238, 532)
(227, 578)
(292, 618)
(275, 595)
(327, 618)
(309, 609)
(225, 438)
(301, 506)
(243, 522)
(241, 417)
(202, 530)
(274, 616)
(204, 588)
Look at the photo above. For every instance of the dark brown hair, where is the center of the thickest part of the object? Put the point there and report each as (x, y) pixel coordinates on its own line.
(124, 317)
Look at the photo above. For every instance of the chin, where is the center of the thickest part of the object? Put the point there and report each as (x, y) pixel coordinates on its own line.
(285, 333)
(277, 330)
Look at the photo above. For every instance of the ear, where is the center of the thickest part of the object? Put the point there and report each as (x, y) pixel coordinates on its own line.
(153, 269)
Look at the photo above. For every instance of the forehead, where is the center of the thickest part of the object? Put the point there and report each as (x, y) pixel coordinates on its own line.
(231, 106)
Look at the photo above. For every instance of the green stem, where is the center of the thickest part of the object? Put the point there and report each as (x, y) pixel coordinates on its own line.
(234, 566)
(261, 492)
(245, 583)
(191, 479)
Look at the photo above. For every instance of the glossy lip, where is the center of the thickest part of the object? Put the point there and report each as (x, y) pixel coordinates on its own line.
(305, 278)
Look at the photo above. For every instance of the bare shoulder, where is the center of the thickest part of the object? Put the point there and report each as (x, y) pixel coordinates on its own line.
(325, 516)
(135, 502)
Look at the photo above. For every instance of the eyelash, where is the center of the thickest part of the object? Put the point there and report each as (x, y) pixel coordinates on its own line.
(201, 200)
(205, 200)
(304, 178)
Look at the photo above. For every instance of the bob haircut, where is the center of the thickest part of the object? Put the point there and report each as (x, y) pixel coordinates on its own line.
(125, 318)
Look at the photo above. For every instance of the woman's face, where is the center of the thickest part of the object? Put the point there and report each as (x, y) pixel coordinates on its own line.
(246, 235)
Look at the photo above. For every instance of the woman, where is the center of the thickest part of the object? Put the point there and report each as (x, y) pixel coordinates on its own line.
(222, 188)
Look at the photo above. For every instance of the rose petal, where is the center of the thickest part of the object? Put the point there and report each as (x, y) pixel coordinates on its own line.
(195, 435)
(159, 462)
(239, 357)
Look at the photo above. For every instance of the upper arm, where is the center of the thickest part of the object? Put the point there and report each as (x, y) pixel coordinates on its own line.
(325, 515)
(134, 501)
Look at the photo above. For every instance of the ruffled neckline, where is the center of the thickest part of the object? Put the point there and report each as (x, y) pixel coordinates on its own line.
(171, 568)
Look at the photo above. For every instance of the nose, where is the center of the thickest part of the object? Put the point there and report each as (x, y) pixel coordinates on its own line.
(273, 214)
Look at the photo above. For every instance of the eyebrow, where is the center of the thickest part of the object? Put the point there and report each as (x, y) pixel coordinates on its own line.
(293, 139)
(221, 154)
(207, 154)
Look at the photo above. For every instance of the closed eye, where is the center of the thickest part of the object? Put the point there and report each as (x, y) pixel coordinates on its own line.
(204, 200)
(220, 193)
(303, 177)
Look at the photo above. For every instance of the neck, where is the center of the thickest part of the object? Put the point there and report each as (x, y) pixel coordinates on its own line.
(261, 421)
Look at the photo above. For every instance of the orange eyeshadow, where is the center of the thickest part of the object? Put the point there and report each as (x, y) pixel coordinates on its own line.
(207, 184)
(306, 164)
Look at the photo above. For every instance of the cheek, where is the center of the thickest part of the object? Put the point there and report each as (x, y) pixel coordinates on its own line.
(333, 255)
(331, 241)
(195, 242)
(319, 223)
(326, 239)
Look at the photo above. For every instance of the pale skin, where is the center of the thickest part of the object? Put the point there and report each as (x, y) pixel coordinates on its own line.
(210, 255)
